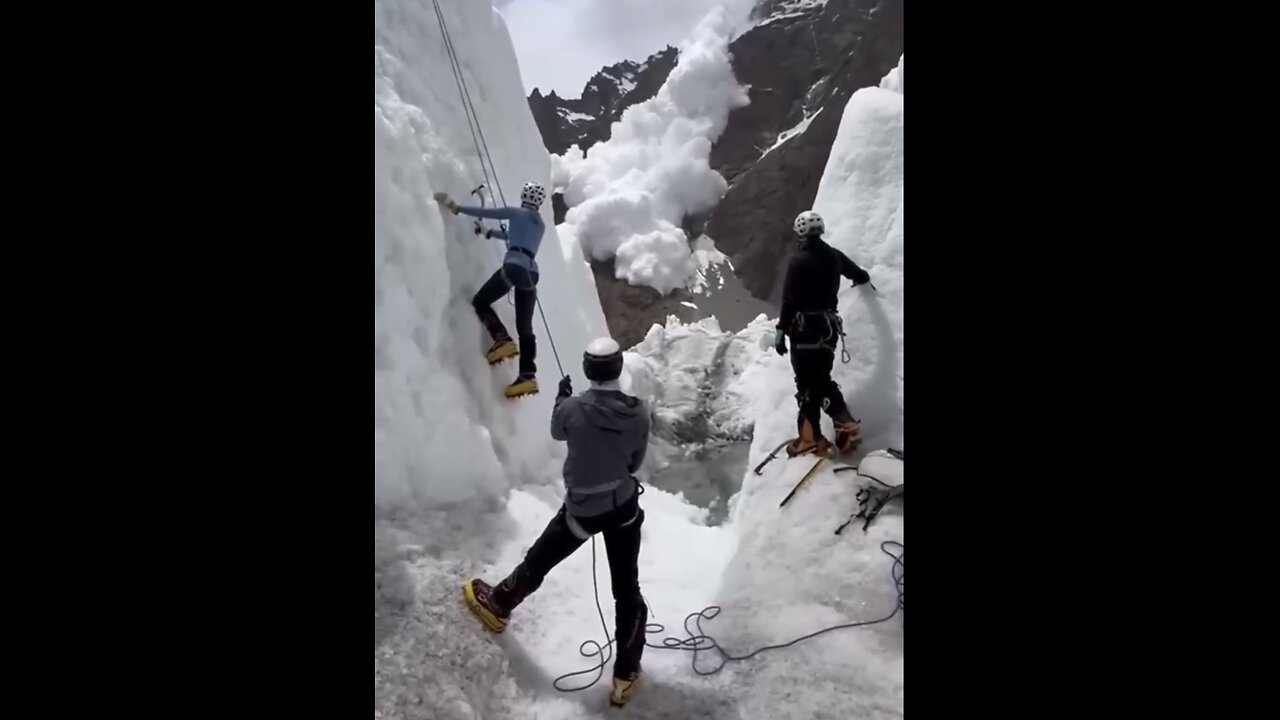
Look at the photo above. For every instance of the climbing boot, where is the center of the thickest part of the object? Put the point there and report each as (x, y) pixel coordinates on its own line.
(809, 440)
(523, 385)
(623, 689)
(479, 597)
(501, 350)
(848, 435)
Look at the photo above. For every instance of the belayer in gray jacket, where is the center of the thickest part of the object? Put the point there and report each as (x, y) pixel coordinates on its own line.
(607, 432)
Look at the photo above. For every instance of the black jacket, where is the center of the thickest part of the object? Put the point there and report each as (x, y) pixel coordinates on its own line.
(813, 281)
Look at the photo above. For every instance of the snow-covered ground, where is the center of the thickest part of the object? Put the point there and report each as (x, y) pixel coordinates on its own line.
(791, 573)
(465, 480)
(699, 378)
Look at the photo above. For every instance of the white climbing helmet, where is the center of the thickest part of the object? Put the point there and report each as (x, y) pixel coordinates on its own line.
(602, 361)
(808, 223)
(532, 194)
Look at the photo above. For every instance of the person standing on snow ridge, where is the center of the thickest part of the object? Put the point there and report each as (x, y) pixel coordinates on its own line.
(809, 316)
(519, 270)
(607, 432)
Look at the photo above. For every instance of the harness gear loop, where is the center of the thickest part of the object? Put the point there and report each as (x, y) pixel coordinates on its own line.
(834, 328)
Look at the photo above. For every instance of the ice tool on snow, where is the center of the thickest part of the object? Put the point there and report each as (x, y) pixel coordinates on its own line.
(759, 470)
(871, 500)
(802, 481)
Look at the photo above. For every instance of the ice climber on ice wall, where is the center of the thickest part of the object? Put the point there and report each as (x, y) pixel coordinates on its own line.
(519, 270)
(809, 316)
(607, 432)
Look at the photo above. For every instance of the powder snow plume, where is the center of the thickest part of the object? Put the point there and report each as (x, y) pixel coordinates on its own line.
(629, 195)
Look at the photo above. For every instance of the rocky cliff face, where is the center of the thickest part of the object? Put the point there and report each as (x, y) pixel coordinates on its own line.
(587, 120)
(801, 60)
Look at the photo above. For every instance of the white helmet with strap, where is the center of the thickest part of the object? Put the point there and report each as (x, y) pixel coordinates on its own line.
(808, 223)
(532, 194)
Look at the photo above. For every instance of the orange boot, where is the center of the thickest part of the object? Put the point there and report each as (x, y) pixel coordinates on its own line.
(810, 440)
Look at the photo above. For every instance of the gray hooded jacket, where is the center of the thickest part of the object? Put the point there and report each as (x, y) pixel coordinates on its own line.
(608, 433)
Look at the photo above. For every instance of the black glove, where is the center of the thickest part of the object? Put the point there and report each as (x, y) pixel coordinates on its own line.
(488, 234)
(780, 342)
(566, 388)
(862, 278)
(480, 229)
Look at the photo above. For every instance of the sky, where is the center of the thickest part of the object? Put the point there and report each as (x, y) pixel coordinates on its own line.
(562, 43)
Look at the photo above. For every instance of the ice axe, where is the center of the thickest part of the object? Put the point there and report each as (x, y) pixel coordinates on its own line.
(477, 193)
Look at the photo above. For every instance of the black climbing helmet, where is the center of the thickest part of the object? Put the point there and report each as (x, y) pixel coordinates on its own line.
(602, 361)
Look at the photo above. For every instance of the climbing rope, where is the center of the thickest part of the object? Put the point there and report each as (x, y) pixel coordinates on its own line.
(482, 146)
(699, 641)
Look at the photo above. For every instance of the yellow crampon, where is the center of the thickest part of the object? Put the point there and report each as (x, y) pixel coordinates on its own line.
(623, 690)
(501, 350)
(523, 386)
(476, 594)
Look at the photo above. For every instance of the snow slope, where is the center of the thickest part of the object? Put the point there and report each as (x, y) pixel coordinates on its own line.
(447, 447)
(428, 343)
(791, 574)
(464, 479)
(698, 378)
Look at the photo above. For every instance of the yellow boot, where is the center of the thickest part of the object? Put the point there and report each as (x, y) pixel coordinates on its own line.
(478, 596)
(524, 385)
(501, 350)
(623, 689)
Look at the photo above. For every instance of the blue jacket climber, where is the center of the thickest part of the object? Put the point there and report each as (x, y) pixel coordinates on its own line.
(519, 273)
(523, 235)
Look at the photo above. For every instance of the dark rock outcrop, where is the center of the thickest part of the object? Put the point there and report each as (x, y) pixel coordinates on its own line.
(797, 66)
(800, 61)
(585, 121)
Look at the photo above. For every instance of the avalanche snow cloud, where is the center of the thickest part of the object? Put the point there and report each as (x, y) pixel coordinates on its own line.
(629, 195)
(602, 31)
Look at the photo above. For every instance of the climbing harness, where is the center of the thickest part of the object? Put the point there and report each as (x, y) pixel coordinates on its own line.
(482, 146)
(834, 328)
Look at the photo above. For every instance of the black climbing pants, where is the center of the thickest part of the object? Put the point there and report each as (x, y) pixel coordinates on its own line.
(621, 531)
(526, 291)
(815, 390)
